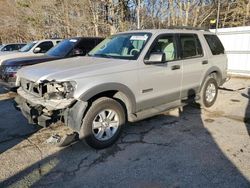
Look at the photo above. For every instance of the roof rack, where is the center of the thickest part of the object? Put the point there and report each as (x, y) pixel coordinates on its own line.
(188, 27)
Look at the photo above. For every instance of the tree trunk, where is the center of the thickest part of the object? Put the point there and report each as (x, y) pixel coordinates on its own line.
(197, 11)
(187, 8)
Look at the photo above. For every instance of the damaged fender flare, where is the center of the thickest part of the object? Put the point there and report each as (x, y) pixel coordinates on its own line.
(125, 94)
(74, 114)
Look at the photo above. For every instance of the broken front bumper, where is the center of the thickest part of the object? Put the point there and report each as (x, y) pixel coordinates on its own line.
(44, 112)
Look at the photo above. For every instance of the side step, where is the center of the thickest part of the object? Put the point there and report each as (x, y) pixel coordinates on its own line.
(153, 111)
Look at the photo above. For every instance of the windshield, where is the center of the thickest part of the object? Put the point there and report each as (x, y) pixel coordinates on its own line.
(63, 48)
(27, 47)
(121, 46)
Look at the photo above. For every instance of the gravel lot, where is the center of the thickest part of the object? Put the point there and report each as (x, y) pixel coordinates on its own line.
(188, 147)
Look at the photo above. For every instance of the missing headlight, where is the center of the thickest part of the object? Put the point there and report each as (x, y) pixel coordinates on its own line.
(58, 90)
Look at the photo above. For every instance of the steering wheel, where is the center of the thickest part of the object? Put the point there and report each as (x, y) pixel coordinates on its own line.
(134, 51)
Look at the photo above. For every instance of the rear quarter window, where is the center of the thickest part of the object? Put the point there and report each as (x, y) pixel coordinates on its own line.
(214, 44)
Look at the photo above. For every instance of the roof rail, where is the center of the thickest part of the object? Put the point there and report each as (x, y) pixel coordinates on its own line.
(188, 27)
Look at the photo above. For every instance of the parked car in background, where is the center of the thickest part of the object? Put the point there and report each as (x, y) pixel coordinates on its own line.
(72, 47)
(35, 48)
(11, 47)
(129, 76)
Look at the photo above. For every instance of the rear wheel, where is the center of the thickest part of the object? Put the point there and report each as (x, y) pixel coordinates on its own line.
(209, 92)
(102, 123)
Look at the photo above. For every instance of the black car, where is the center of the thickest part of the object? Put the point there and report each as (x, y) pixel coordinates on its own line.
(78, 46)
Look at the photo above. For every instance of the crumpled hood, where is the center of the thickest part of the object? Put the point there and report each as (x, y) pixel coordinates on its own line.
(72, 68)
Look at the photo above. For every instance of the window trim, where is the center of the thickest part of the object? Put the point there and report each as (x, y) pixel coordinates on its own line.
(154, 42)
(181, 50)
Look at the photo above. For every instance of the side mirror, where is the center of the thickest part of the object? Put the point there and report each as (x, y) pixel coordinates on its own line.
(155, 58)
(78, 52)
(37, 50)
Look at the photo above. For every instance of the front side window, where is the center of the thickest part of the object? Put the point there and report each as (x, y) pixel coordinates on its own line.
(28, 47)
(166, 45)
(214, 44)
(45, 46)
(190, 46)
(15, 47)
(21, 45)
(121, 46)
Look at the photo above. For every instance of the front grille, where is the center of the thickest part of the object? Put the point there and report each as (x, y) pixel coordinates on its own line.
(31, 87)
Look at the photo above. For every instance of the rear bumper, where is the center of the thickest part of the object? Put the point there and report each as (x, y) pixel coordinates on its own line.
(44, 112)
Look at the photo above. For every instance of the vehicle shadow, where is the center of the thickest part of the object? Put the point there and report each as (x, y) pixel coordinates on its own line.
(13, 126)
(163, 151)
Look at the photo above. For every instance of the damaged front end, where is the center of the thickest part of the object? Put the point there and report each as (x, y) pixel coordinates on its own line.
(48, 102)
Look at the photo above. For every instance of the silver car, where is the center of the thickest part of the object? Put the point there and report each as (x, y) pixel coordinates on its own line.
(129, 76)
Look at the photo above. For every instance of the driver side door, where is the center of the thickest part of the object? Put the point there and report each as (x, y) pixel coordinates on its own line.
(160, 83)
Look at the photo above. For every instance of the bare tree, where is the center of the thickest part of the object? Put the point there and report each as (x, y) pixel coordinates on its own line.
(23, 20)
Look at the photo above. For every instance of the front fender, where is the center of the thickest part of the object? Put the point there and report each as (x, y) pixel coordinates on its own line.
(127, 95)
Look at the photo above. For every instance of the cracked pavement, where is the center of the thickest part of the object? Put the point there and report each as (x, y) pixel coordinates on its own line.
(186, 147)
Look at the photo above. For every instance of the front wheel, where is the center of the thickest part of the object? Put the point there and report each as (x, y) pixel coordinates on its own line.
(209, 92)
(102, 123)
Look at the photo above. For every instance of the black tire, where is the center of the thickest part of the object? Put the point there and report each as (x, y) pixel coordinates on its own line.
(204, 102)
(97, 107)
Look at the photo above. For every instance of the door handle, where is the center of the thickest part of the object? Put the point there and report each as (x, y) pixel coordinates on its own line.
(175, 67)
(204, 62)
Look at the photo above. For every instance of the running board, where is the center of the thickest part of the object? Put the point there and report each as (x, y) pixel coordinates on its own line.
(153, 111)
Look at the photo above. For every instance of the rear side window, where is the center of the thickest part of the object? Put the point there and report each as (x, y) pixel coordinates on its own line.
(214, 44)
(190, 46)
(10, 47)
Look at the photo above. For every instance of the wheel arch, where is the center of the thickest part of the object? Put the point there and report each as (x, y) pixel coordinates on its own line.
(210, 71)
(114, 90)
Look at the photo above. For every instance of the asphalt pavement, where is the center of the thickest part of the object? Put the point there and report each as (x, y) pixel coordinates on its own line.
(186, 147)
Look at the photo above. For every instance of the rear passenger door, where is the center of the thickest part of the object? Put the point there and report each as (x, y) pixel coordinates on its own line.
(194, 63)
